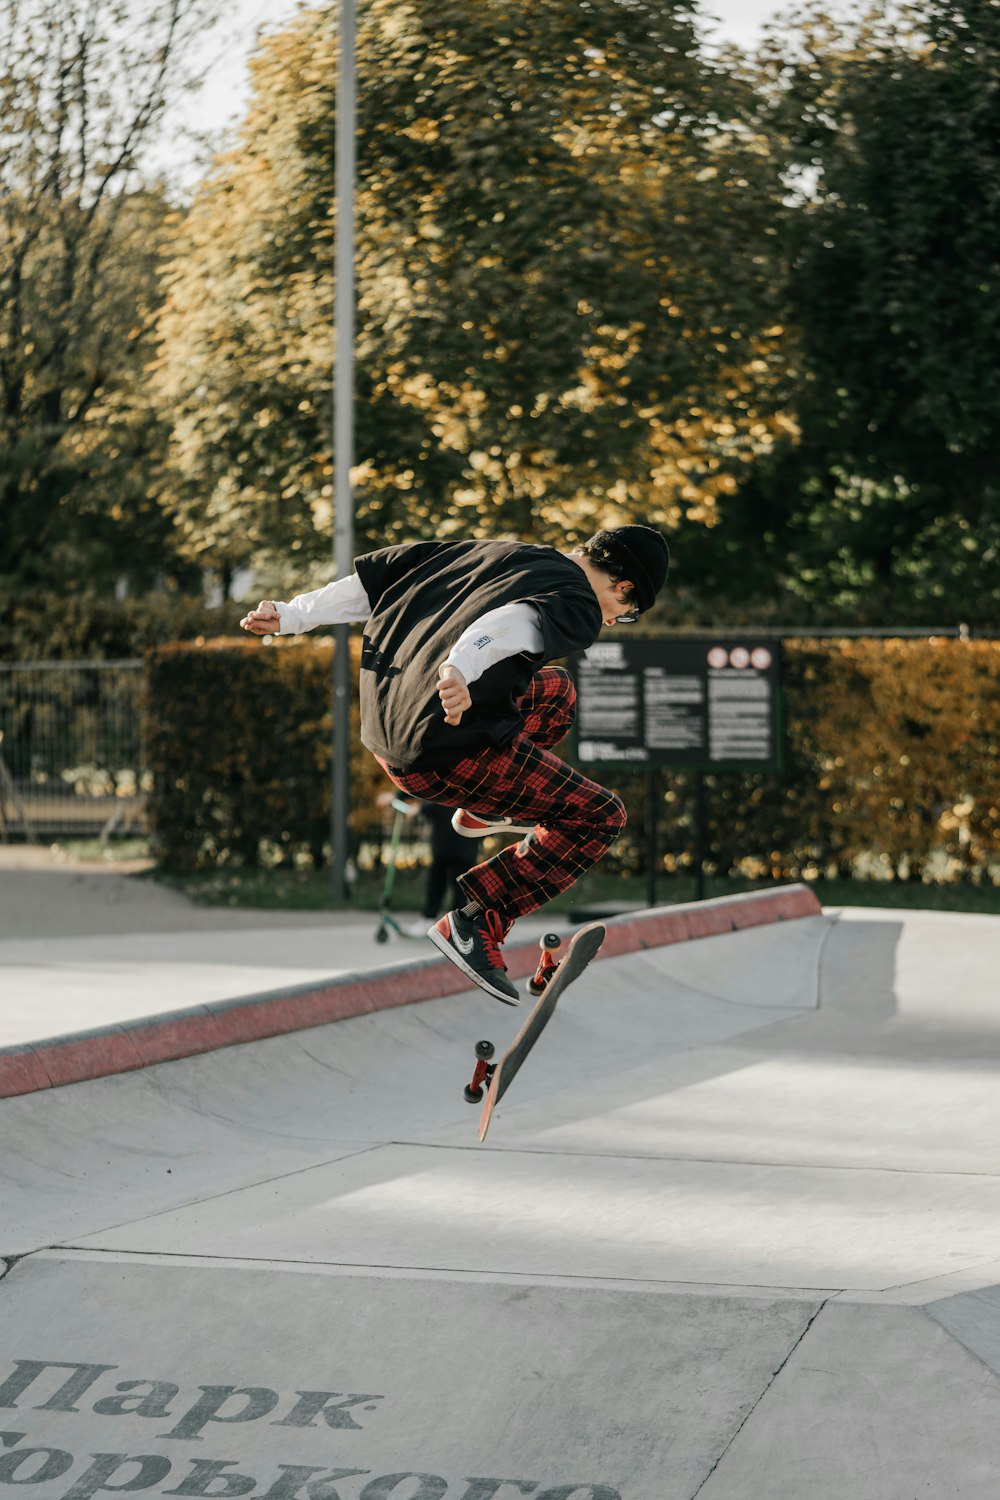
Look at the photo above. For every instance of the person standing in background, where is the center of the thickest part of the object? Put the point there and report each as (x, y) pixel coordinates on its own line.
(450, 860)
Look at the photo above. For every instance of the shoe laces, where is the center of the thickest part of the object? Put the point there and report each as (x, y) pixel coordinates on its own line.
(493, 936)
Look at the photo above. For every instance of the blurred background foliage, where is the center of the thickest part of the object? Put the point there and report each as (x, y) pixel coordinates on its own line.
(603, 276)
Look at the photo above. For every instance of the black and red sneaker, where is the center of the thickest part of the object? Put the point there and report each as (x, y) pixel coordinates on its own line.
(474, 947)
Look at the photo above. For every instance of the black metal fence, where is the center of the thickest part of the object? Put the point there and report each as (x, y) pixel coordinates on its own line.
(71, 751)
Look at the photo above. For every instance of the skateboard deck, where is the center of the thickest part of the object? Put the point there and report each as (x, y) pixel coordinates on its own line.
(582, 948)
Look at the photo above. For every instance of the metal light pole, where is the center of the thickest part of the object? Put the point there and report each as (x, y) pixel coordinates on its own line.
(343, 439)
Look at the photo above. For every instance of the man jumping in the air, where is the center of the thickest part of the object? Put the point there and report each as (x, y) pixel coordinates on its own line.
(460, 706)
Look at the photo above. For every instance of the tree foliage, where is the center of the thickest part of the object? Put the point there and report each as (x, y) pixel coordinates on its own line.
(892, 125)
(600, 277)
(566, 283)
(82, 89)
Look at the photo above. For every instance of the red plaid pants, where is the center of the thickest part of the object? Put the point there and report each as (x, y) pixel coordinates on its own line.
(576, 820)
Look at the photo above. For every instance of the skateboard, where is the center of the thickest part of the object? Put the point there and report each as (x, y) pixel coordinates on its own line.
(547, 984)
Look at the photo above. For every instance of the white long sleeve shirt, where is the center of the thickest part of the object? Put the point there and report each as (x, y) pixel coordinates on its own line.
(499, 633)
(342, 603)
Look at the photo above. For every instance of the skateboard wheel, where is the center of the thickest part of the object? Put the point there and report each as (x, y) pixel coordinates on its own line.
(473, 1096)
(485, 1050)
(550, 942)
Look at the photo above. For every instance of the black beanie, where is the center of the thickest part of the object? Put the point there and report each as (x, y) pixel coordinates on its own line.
(644, 557)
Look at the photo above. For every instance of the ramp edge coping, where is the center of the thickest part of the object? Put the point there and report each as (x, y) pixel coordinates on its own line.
(139, 1043)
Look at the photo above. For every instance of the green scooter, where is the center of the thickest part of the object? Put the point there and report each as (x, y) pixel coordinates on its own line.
(386, 918)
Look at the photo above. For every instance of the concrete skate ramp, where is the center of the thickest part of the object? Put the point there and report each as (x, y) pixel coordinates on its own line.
(733, 1235)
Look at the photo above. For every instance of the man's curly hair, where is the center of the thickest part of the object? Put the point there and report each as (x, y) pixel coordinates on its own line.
(597, 552)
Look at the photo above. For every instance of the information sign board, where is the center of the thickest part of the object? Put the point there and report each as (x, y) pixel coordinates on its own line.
(693, 704)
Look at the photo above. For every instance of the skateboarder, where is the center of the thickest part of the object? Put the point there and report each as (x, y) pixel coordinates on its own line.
(460, 706)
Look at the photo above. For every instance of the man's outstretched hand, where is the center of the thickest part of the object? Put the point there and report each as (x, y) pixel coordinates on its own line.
(264, 620)
(454, 694)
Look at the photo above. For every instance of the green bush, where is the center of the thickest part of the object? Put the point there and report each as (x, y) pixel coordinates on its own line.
(891, 770)
(239, 738)
(892, 765)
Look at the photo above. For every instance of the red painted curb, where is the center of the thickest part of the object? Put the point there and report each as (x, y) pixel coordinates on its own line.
(205, 1028)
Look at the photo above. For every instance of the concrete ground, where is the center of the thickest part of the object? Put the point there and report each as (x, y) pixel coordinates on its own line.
(734, 1235)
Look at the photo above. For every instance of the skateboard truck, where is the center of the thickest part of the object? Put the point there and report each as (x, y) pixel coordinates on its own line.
(547, 964)
(483, 1074)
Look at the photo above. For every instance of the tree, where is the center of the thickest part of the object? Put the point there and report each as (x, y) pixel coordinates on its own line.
(567, 309)
(893, 125)
(82, 89)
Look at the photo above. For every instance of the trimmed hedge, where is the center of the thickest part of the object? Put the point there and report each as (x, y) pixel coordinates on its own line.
(239, 743)
(901, 741)
(892, 768)
(892, 765)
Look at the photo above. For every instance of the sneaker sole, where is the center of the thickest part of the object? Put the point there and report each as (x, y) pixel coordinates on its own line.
(491, 831)
(456, 958)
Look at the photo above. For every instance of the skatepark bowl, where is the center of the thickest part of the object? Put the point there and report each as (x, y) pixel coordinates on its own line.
(734, 1235)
